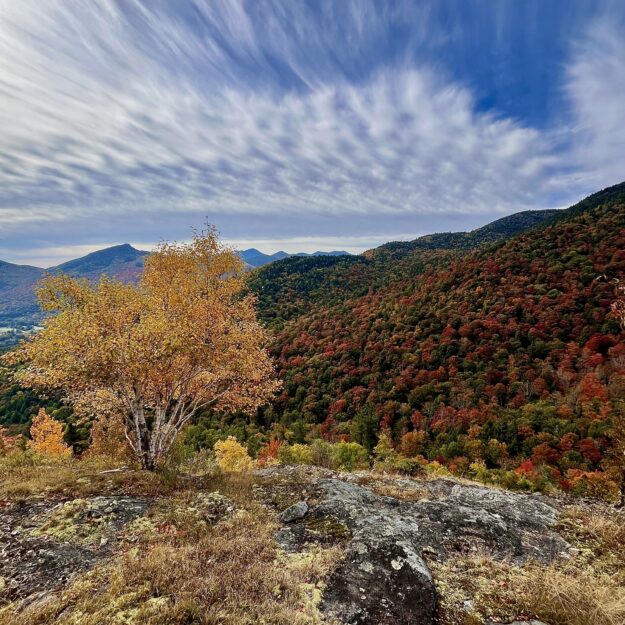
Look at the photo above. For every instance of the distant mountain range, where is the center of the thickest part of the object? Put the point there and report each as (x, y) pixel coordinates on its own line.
(19, 308)
(18, 305)
(254, 258)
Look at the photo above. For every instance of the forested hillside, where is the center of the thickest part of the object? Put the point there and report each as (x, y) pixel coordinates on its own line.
(507, 351)
(289, 288)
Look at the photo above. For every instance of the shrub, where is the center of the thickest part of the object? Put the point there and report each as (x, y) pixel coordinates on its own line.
(47, 437)
(350, 456)
(383, 451)
(593, 484)
(322, 454)
(295, 454)
(436, 468)
(407, 466)
(232, 457)
(201, 463)
(268, 454)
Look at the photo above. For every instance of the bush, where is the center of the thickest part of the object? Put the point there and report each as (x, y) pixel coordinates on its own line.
(436, 468)
(268, 454)
(19, 459)
(232, 457)
(295, 454)
(322, 454)
(200, 463)
(593, 484)
(350, 456)
(383, 451)
(407, 466)
(47, 437)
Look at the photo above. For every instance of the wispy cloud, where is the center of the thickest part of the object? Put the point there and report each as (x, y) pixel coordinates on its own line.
(142, 117)
(595, 84)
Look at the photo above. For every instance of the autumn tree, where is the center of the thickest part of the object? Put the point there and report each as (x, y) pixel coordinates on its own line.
(616, 456)
(184, 339)
(46, 436)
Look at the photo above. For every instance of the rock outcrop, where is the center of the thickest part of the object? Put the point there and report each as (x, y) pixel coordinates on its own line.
(383, 577)
(43, 544)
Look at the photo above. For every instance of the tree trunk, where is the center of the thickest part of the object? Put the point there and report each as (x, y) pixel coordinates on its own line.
(143, 449)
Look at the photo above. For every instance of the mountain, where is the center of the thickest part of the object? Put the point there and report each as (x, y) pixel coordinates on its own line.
(498, 353)
(18, 304)
(122, 261)
(292, 286)
(255, 258)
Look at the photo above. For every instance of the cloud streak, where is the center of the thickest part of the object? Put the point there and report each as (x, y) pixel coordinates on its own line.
(143, 117)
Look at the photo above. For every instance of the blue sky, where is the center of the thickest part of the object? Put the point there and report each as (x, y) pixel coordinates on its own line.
(299, 125)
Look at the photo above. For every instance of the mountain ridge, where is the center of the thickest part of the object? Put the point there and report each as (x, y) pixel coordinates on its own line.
(18, 306)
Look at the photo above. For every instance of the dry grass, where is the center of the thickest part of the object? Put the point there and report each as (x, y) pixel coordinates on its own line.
(175, 568)
(29, 477)
(588, 589)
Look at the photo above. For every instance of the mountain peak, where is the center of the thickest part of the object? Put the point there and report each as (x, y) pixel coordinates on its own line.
(110, 260)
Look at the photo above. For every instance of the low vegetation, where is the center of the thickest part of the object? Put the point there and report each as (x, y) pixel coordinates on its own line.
(197, 557)
(205, 553)
(588, 589)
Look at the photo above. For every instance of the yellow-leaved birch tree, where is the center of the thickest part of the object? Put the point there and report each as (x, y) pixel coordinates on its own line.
(184, 339)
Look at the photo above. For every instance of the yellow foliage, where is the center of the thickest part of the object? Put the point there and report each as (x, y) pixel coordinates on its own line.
(108, 438)
(384, 449)
(232, 457)
(184, 339)
(47, 436)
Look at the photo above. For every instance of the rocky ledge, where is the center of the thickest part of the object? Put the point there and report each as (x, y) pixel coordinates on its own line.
(45, 543)
(384, 577)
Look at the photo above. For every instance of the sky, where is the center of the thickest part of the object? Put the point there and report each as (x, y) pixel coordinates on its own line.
(299, 125)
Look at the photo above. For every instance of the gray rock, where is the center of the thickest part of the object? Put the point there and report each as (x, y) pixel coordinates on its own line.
(34, 565)
(383, 582)
(295, 512)
(383, 577)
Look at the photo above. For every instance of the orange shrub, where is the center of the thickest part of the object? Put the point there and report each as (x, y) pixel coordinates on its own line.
(47, 436)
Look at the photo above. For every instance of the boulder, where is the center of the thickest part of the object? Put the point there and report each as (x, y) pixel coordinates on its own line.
(295, 512)
(384, 577)
(384, 582)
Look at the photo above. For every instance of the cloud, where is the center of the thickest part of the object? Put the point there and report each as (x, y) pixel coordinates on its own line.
(595, 84)
(137, 119)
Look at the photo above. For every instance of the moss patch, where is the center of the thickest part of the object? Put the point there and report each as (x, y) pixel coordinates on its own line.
(76, 521)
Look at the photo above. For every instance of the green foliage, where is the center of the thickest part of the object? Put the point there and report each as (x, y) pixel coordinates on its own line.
(364, 427)
(295, 454)
(350, 456)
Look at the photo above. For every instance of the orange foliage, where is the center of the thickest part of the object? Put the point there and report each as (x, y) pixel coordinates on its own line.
(47, 436)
